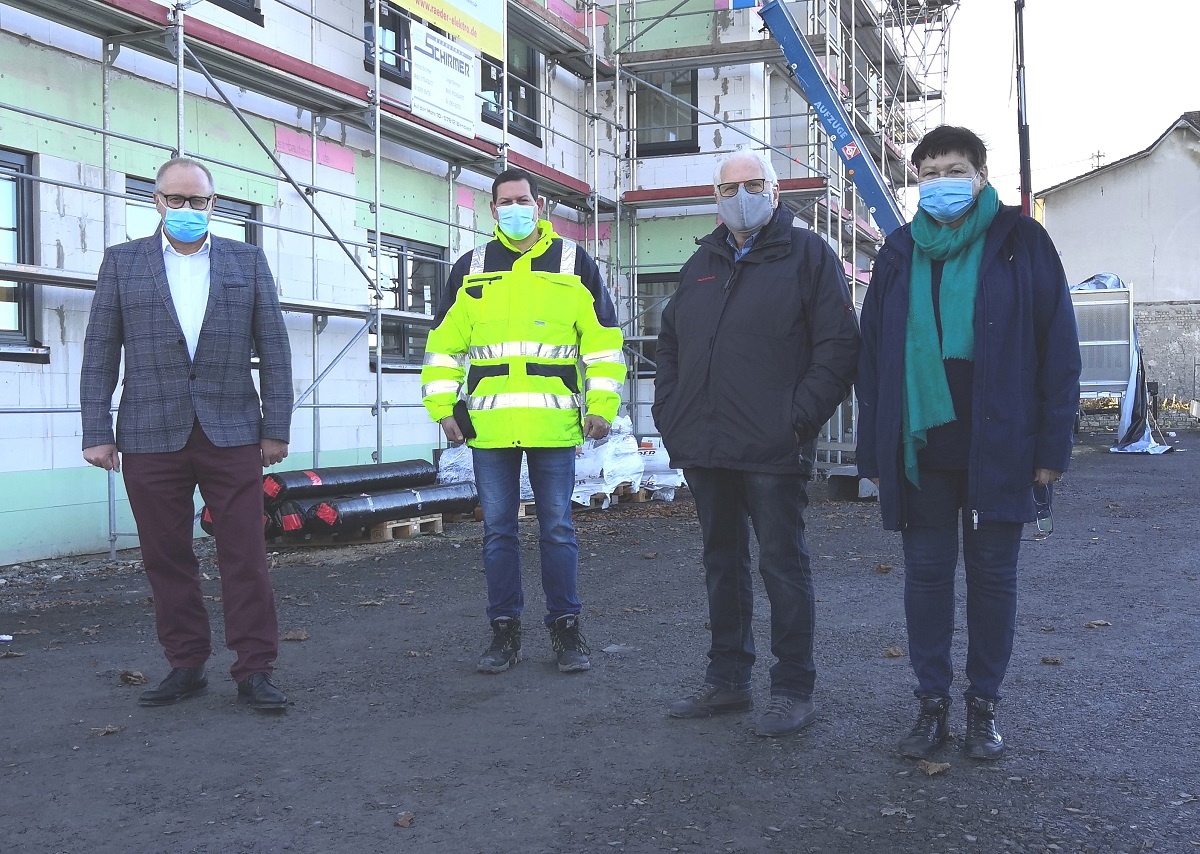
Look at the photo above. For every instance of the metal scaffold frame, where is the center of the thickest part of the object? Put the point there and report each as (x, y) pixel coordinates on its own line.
(826, 199)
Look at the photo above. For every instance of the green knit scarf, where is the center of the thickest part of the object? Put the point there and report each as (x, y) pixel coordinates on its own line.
(927, 402)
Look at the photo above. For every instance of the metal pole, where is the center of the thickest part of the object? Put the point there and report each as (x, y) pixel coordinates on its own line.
(180, 130)
(1022, 120)
(376, 124)
(504, 85)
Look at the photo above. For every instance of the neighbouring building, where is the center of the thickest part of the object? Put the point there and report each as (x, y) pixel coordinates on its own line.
(1139, 217)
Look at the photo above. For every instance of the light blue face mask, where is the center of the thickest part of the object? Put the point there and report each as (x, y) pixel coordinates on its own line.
(946, 199)
(185, 225)
(517, 221)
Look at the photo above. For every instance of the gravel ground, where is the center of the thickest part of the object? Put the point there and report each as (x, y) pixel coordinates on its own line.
(395, 743)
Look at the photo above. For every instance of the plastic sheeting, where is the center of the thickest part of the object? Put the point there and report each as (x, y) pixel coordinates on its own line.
(343, 480)
(1135, 432)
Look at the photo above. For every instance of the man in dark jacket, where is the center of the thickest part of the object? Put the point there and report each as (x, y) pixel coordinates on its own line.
(758, 348)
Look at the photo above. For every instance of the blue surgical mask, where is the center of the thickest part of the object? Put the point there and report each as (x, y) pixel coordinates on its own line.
(517, 221)
(946, 199)
(746, 212)
(186, 225)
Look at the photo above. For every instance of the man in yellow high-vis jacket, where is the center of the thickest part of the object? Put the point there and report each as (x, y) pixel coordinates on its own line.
(522, 314)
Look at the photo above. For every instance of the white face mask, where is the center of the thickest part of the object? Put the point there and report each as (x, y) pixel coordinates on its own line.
(744, 212)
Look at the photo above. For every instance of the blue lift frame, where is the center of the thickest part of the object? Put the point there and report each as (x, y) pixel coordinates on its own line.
(808, 77)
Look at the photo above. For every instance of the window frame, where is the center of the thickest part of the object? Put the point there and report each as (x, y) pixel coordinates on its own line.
(641, 368)
(24, 222)
(400, 358)
(395, 72)
(689, 145)
(142, 190)
(525, 125)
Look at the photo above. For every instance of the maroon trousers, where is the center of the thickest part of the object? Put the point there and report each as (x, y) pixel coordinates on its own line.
(161, 489)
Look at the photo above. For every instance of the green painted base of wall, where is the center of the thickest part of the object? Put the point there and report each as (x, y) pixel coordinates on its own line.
(59, 512)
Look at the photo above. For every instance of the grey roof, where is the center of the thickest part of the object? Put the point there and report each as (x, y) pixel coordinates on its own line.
(1191, 118)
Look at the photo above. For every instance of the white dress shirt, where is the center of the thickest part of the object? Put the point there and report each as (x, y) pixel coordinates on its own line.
(188, 276)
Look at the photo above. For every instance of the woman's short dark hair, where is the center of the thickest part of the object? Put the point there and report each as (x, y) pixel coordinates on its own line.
(945, 139)
(510, 175)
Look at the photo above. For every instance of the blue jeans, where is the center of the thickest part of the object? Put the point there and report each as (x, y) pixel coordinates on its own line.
(498, 480)
(727, 502)
(935, 512)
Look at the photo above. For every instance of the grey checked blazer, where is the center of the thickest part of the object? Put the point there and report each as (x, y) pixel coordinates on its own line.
(165, 391)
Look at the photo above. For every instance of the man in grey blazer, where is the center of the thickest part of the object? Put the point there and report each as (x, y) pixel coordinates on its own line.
(187, 307)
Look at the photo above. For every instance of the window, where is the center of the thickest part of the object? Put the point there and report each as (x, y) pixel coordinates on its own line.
(251, 10)
(16, 247)
(665, 125)
(395, 44)
(230, 218)
(413, 279)
(524, 72)
(651, 292)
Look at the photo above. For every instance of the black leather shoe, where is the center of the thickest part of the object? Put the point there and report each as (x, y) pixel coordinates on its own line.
(784, 716)
(930, 731)
(711, 700)
(181, 683)
(260, 693)
(982, 741)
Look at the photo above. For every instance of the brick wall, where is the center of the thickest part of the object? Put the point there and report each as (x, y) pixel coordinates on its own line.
(1169, 333)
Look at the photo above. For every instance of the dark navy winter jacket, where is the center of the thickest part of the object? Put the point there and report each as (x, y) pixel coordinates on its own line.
(753, 355)
(1026, 377)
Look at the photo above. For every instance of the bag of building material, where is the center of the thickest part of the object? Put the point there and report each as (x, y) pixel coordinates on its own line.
(455, 465)
(344, 480)
(658, 476)
(589, 473)
(622, 462)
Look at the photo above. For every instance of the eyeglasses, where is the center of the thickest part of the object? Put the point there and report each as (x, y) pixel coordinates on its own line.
(196, 203)
(1042, 498)
(754, 186)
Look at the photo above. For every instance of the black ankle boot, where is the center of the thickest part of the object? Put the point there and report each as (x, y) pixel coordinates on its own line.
(982, 740)
(930, 731)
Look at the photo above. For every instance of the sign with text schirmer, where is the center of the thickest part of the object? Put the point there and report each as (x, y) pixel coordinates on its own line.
(445, 78)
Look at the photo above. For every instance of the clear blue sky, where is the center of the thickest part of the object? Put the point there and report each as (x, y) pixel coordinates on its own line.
(1101, 75)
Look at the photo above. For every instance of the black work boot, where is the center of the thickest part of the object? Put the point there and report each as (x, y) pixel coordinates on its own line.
(930, 731)
(567, 639)
(982, 740)
(505, 650)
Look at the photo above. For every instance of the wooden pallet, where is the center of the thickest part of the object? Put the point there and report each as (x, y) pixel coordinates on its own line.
(525, 510)
(383, 532)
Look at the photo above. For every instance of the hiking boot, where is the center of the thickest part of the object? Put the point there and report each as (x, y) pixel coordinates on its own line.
(930, 731)
(711, 700)
(567, 639)
(982, 741)
(505, 650)
(785, 715)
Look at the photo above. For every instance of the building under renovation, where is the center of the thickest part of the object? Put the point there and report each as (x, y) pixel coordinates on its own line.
(355, 141)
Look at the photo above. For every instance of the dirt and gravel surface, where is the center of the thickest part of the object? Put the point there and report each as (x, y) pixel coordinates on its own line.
(395, 743)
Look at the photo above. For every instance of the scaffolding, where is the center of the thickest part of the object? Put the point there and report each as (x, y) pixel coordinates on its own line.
(888, 58)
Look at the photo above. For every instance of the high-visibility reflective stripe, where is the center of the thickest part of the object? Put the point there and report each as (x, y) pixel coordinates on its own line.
(525, 349)
(524, 400)
(441, 360)
(440, 387)
(603, 356)
(566, 263)
(602, 384)
(477, 259)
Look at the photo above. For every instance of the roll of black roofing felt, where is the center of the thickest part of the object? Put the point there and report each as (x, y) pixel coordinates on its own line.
(347, 480)
(359, 511)
(292, 515)
(271, 528)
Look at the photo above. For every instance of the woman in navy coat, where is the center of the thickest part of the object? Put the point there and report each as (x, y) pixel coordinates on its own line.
(968, 386)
